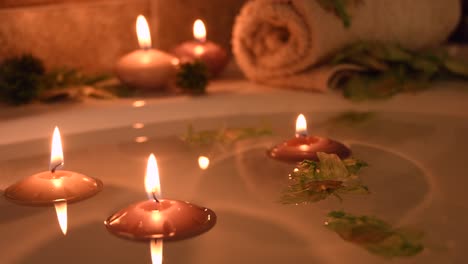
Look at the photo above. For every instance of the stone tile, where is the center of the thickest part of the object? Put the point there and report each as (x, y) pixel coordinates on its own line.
(92, 35)
(89, 35)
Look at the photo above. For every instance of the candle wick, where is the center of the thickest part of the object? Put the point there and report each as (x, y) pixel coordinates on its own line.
(56, 167)
(301, 135)
(155, 198)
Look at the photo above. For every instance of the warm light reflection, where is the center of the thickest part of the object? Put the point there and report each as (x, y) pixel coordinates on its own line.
(139, 103)
(143, 32)
(152, 184)
(203, 162)
(141, 139)
(61, 210)
(56, 154)
(156, 247)
(301, 126)
(175, 61)
(138, 125)
(199, 30)
(199, 50)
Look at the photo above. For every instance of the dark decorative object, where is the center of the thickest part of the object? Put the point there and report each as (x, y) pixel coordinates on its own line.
(461, 33)
(20, 79)
(193, 77)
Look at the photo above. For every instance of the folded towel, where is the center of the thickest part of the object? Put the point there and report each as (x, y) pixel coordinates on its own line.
(278, 42)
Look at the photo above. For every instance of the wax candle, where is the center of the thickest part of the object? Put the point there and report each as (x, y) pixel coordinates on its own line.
(146, 68)
(303, 146)
(54, 187)
(158, 218)
(213, 55)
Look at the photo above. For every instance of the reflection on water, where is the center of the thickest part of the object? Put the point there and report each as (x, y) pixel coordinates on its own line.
(242, 185)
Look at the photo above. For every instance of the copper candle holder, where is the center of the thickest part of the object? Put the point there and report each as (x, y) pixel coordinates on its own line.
(159, 218)
(48, 188)
(53, 186)
(305, 147)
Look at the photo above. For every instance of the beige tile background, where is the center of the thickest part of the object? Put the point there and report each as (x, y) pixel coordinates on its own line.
(92, 35)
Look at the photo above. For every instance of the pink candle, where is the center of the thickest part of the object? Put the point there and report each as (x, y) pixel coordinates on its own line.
(146, 68)
(214, 56)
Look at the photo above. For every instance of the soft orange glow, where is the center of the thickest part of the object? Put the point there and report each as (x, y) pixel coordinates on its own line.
(143, 32)
(139, 103)
(141, 139)
(61, 210)
(138, 125)
(56, 154)
(203, 162)
(199, 30)
(301, 126)
(199, 50)
(156, 247)
(152, 184)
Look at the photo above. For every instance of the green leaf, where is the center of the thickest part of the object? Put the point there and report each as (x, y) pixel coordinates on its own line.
(375, 235)
(456, 67)
(224, 135)
(313, 181)
(331, 166)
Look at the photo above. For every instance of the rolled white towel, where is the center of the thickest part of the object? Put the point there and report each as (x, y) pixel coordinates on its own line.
(278, 42)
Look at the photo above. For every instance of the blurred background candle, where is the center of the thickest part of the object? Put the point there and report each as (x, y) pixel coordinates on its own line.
(209, 52)
(146, 68)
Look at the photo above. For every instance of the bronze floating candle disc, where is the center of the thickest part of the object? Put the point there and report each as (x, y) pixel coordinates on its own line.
(162, 219)
(47, 188)
(306, 148)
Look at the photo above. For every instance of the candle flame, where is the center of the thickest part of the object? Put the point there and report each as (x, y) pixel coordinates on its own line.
(203, 162)
(156, 247)
(56, 155)
(143, 32)
(152, 183)
(61, 210)
(199, 30)
(301, 126)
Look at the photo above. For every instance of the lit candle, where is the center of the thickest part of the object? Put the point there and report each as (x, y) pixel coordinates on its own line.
(54, 187)
(304, 147)
(210, 53)
(158, 218)
(146, 68)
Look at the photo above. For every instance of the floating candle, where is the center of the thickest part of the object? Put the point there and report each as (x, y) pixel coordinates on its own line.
(54, 187)
(304, 147)
(146, 68)
(210, 53)
(158, 218)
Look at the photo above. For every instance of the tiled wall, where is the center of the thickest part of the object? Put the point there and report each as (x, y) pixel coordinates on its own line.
(93, 34)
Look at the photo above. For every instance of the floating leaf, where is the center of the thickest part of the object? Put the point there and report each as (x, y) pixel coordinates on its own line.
(314, 181)
(375, 235)
(223, 136)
